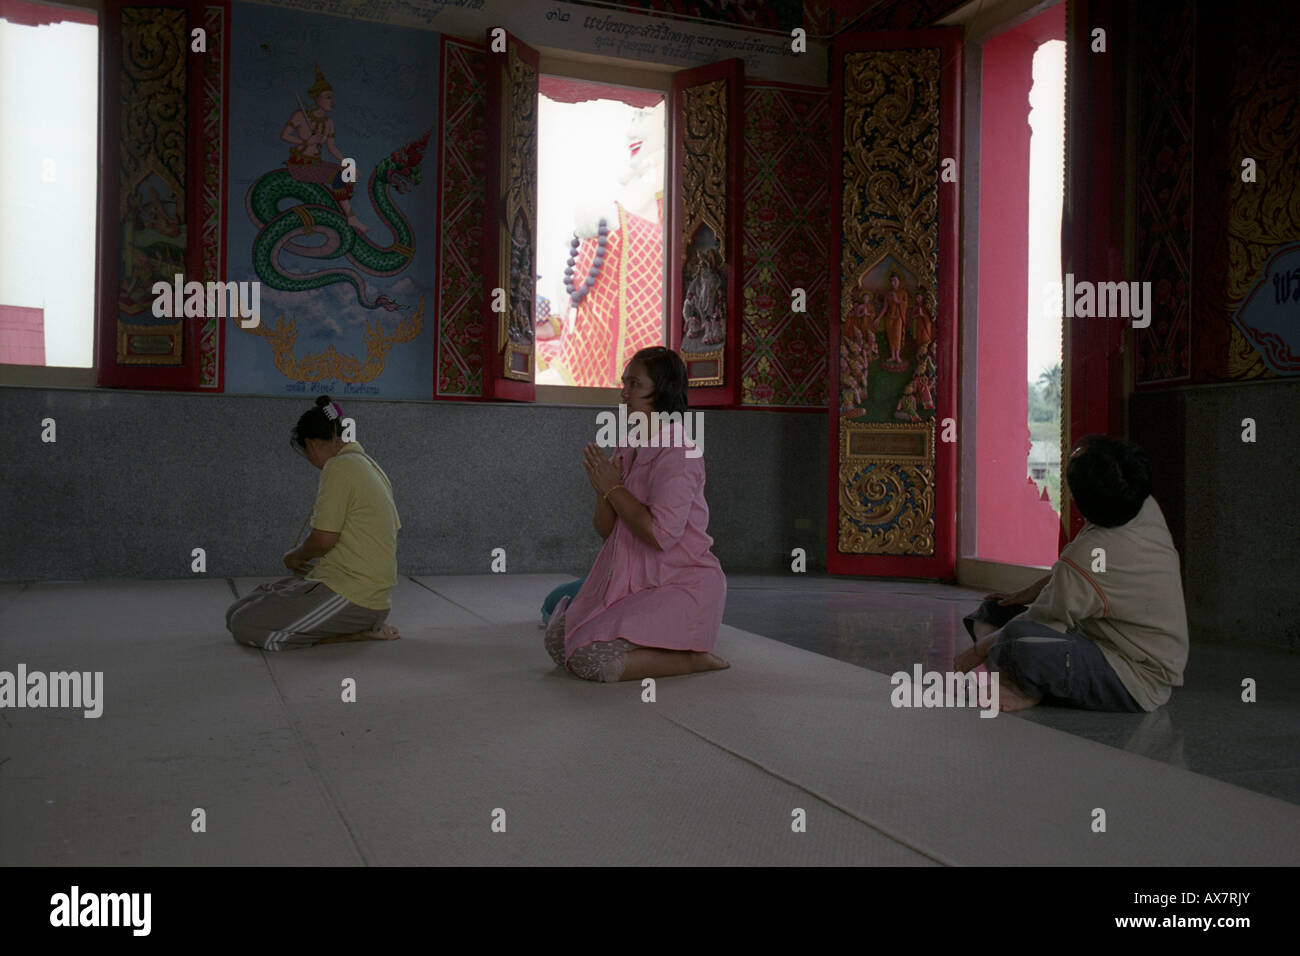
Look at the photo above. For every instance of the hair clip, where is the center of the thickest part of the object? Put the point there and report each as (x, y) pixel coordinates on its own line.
(331, 411)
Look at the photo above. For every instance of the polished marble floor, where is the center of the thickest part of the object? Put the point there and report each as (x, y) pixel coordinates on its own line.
(890, 625)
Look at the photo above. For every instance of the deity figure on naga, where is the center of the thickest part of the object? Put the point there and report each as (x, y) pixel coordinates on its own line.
(307, 131)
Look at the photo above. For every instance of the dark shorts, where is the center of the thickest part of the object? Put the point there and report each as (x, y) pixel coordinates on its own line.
(1062, 668)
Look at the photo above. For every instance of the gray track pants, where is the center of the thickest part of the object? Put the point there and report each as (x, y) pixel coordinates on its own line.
(294, 613)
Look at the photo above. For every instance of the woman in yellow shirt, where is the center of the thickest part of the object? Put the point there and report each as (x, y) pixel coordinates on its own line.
(346, 595)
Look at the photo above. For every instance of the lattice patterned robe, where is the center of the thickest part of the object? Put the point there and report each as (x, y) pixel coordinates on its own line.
(623, 312)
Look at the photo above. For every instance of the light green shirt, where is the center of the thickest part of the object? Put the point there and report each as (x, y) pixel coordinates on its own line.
(355, 499)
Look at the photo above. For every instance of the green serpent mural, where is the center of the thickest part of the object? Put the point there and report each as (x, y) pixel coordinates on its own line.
(315, 211)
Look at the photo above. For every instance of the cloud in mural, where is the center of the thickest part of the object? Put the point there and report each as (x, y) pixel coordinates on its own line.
(327, 329)
(337, 303)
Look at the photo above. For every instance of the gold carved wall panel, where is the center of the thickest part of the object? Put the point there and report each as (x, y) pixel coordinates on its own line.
(517, 230)
(704, 174)
(152, 197)
(705, 264)
(888, 294)
(1263, 215)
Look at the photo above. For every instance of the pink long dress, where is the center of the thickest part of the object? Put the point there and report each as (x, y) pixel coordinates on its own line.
(671, 598)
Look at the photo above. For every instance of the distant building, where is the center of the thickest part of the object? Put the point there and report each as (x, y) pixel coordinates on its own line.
(1044, 460)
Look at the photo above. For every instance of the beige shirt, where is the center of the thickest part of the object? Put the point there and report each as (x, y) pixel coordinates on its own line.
(1133, 608)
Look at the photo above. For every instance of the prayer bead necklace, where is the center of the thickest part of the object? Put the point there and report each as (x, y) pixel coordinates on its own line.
(578, 292)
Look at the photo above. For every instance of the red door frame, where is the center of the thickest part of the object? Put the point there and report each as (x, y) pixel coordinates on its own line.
(1092, 242)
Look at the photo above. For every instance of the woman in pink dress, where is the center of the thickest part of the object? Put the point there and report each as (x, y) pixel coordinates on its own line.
(652, 604)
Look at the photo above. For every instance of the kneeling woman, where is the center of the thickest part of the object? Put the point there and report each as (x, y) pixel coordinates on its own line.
(345, 597)
(652, 604)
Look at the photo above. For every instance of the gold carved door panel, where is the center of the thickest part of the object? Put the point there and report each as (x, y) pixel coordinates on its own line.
(510, 224)
(893, 340)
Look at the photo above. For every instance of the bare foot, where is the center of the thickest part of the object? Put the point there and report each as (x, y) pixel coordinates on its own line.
(385, 633)
(705, 661)
(357, 224)
(643, 662)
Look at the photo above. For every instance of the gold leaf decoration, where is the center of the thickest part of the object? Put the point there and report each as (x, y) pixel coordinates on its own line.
(890, 208)
(332, 364)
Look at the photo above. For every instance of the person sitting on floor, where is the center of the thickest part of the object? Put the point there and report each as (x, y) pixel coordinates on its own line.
(346, 595)
(651, 606)
(1107, 629)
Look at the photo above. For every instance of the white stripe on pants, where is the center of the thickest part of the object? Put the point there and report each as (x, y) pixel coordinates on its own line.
(309, 620)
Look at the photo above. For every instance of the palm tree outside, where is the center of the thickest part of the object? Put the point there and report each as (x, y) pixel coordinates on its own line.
(1050, 380)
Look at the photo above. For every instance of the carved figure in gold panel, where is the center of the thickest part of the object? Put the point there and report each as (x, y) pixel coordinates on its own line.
(923, 381)
(858, 350)
(906, 411)
(153, 243)
(704, 311)
(863, 316)
(922, 320)
(885, 345)
(520, 326)
(894, 320)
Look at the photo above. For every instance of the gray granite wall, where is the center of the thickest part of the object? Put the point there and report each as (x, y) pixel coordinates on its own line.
(1232, 506)
(137, 480)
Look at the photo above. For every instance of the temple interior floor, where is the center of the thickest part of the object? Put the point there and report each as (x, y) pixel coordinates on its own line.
(464, 728)
(888, 626)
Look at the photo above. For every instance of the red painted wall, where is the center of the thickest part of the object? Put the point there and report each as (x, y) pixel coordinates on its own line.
(1013, 524)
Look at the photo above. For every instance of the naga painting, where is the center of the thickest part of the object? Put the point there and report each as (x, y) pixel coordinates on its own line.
(332, 204)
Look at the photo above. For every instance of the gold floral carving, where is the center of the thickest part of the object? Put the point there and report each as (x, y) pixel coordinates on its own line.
(1244, 360)
(153, 110)
(153, 100)
(332, 364)
(895, 502)
(704, 172)
(891, 494)
(891, 156)
(890, 207)
(1264, 214)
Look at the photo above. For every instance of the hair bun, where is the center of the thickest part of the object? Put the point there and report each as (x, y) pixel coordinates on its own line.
(322, 401)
